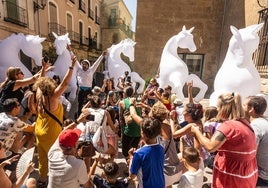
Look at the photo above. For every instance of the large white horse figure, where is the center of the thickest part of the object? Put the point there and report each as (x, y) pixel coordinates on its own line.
(238, 73)
(63, 61)
(117, 67)
(10, 48)
(174, 71)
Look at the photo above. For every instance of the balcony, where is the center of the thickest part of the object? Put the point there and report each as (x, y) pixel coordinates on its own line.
(15, 14)
(118, 23)
(74, 36)
(90, 13)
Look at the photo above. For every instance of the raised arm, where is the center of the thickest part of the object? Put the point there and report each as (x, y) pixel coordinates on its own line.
(65, 82)
(217, 140)
(94, 67)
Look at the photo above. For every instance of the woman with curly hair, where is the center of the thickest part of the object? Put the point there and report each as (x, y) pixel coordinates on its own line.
(47, 128)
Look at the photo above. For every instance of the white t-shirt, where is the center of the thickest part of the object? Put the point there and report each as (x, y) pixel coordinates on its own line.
(260, 126)
(9, 128)
(65, 171)
(191, 179)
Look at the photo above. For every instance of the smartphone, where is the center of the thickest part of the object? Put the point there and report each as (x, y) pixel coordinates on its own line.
(46, 58)
(90, 117)
(183, 124)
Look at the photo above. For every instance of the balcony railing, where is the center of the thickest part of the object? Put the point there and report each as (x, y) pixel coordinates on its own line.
(82, 6)
(74, 36)
(15, 14)
(90, 13)
(118, 23)
(260, 57)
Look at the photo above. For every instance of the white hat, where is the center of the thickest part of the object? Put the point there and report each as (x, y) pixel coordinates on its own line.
(96, 90)
(177, 102)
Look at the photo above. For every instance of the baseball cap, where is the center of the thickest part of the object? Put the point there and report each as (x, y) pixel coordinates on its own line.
(69, 137)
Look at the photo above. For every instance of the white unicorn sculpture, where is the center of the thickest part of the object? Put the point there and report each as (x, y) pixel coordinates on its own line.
(62, 63)
(117, 67)
(238, 73)
(172, 69)
(10, 48)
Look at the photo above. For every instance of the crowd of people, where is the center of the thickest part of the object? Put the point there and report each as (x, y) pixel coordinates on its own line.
(166, 142)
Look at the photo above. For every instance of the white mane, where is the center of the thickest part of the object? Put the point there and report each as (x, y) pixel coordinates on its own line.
(10, 48)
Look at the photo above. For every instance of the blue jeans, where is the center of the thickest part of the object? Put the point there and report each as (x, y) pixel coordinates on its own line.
(262, 182)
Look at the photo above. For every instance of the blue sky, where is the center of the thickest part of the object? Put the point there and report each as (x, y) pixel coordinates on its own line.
(132, 7)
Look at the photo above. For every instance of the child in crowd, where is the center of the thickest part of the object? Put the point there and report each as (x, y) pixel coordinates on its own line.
(210, 126)
(193, 177)
(109, 179)
(147, 163)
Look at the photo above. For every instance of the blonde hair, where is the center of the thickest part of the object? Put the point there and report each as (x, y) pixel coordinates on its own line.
(10, 75)
(159, 111)
(46, 85)
(230, 107)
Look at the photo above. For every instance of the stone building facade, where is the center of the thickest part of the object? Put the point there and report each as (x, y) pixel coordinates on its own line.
(157, 21)
(79, 18)
(116, 22)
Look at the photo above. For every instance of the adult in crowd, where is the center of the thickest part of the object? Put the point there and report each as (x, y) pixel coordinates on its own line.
(11, 132)
(85, 75)
(5, 181)
(255, 107)
(235, 163)
(65, 170)
(131, 132)
(13, 86)
(50, 117)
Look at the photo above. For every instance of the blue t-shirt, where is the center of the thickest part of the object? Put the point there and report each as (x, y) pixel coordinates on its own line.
(103, 183)
(148, 165)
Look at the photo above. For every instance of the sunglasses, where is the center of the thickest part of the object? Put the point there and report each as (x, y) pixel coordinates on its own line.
(20, 73)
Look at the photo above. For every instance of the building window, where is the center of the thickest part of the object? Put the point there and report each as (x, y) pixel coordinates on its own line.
(97, 19)
(82, 6)
(89, 37)
(69, 22)
(194, 63)
(53, 13)
(15, 14)
(80, 32)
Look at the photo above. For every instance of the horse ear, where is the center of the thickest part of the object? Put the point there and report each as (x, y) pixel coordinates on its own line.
(257, 27)
(235, 32)
(66, 35)
(184, 28)
(191, 30)
(55, 35)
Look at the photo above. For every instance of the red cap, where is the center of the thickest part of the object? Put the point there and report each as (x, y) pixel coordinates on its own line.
(69, 137)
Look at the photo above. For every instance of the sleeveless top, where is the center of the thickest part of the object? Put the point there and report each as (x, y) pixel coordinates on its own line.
(172, 164)
(132, 129)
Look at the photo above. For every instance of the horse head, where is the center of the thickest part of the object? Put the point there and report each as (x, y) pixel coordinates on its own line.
(32, 47)
(185, 39)
(128, 48)
(244, 42)
(61, 42)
